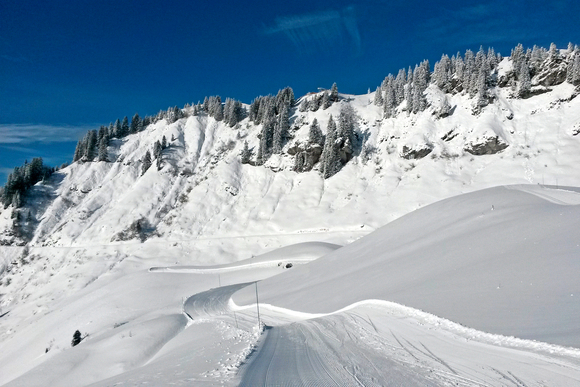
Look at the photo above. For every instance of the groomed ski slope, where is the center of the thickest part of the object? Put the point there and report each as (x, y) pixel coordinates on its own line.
(326, 325)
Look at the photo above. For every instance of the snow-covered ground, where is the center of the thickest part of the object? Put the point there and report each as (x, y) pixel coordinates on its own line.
(403, 270)
(339, 319)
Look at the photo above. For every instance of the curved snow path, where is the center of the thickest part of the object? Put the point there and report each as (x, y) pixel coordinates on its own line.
(210, 303)
(377, 343)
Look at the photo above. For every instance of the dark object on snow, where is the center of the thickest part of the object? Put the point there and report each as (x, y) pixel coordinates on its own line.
(288, 266)
(76, 338)
(488, 146)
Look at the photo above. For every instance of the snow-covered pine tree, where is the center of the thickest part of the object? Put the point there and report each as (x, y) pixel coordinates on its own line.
(458, 72)
(518, 56)
(419, 86)
(378, 100)
(118, 130)
(80, 150)
(146, 162)
(246, 154)
(314, 103)
(390, 100)
(102, 151)
(253, 111)
(399, 88)
(330, 156)
(409, 91)
(216, 109)
(285, 97)
(334, 93)
(524, 85)
(325, 103)
(267, 135)
(163, 143)
(576, 68)
(345, 132)
(157, 149)
(492, 59)
(281, 130)
(136, 124)
(442, 74)
(125, 126)
(553, 53)
(103, 132)
(315, 136)
(91, 149)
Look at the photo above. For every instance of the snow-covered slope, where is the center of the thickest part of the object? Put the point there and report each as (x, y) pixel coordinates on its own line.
(141, 330)
(502, 260)
(94, 229)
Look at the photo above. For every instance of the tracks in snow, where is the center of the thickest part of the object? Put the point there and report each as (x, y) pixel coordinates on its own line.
(375, 345)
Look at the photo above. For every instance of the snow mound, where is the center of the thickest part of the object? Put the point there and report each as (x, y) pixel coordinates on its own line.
(500, 260)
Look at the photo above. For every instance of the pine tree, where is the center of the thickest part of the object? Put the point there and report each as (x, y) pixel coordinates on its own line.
(102, 155)
(330, 156)
(136, 124)
(103, 132)
(399, 87)
(118, 129)
(146, 163)
(576, 68)
(267, 135)
(91, 148)
(325, 103)
(79, 150)
(409, 91)
(525, 84)
(157, 149)
(246, 154)
(334, 93)
(378, 100)
(77, 338)
(315, 136)
(553, 53)
(390, 100)
(125, 127)
(281, 130)
(163, 143)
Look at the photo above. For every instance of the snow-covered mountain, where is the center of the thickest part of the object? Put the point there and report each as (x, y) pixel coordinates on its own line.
(86, 236)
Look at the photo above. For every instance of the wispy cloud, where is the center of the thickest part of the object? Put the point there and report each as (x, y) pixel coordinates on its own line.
(321, 30)
(29, 133)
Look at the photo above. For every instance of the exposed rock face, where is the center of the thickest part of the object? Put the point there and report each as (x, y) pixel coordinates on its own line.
(417, 152)
(553, 72)
(306, 158)
(488, 146)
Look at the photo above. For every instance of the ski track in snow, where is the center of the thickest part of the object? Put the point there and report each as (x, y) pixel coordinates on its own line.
(376, 343)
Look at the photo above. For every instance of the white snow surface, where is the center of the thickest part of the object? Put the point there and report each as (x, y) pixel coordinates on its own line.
(442, 279)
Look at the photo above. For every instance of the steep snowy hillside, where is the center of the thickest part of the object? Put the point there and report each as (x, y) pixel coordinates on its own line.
(198, 203)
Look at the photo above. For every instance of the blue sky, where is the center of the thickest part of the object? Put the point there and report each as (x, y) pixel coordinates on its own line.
(69, 66)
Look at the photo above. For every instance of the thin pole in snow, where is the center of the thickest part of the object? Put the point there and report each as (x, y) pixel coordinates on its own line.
(257, 304)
